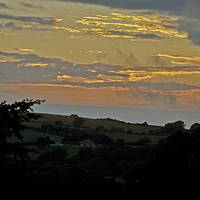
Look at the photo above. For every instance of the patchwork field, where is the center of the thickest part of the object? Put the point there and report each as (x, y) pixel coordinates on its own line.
(139, 131)
(93, 123)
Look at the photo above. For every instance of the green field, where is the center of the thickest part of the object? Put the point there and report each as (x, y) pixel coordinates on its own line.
(141, 130)
(93, 123)
(90, 124)
(108, 124)
(31, 136)
(133, 137)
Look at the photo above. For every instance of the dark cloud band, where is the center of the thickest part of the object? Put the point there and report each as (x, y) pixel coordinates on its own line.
(170, 5)
(40, 20)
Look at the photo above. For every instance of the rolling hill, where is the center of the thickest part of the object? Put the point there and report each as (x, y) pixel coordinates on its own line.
(138, 130)
(93, 123)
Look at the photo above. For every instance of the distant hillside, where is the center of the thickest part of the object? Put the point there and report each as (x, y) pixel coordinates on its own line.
(93, 123)
(138, 130)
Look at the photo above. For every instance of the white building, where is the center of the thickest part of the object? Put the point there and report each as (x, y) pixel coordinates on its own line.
(87, 143)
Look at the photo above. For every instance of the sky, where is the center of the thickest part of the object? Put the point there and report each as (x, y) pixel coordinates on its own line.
(140, 56)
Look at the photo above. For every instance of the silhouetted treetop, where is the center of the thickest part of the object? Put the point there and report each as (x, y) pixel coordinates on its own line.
(12, 117)
(78, 121)
(174, 126)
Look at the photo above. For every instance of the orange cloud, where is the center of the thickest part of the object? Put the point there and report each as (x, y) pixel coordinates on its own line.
(57, 20)
(181, 93)
(148, 24)
(8, 34)
(133, 76)
(176, 47)
(144, 40)
(36, 64)
(70, 30)
(118, 36)
(181, 62)
(141, 75)
(33, 64)
(97, 79)
(98, 17)
(22, 49)
(105, 96)
(178, 56)
(74, 37)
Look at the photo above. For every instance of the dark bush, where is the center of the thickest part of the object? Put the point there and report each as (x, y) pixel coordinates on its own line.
(56, 155)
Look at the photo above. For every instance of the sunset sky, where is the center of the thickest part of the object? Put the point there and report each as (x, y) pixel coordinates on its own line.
(102, 53)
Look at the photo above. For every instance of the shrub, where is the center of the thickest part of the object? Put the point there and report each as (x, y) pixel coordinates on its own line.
(56, 155)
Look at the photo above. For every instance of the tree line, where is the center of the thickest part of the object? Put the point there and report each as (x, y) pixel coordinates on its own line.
(169, 169)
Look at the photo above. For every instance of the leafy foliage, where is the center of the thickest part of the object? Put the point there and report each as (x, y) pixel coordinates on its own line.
(61, 183)
(194, 127)
(58, 123)
(129, 131)
(171, 127)
(58, 129)
(56, 155)
(174, 164)
(120, 143)
(12, 117)
(117, 130)
(78, 121)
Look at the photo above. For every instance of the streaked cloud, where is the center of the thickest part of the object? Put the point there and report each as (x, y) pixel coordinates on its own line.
(8, 34)
(186, 10)
(11, 25)
(185, 59)
(148, 27)
(39, 20)
(96, 55)
(142, 75)
(30, 5)
(33, 64)
(23, 49)
(178, 56)
(176, 47)
(70, 30)
(182, 62)
(56, 70)
(100, 78)
(18, 68)
(160, 5)
(4, 6)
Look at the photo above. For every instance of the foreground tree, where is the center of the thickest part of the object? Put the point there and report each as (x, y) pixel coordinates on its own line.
(56, 155)
(12, 117)
(172, 168)
(79, 121)
(171, 127)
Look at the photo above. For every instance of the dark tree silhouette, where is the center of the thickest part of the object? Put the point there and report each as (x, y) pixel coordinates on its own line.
(78, 121)
(194, 127)
(129, 132)
(56, 155)
(171, 127)
(12, 117)
(120, 143)
(173, 166)
(43, 141)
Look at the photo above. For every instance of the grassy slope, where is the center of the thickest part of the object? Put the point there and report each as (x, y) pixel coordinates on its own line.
(133, 137)
(31, 136)
(93, 123)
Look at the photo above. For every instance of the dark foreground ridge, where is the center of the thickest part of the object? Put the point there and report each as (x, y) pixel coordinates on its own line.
(62, 159)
